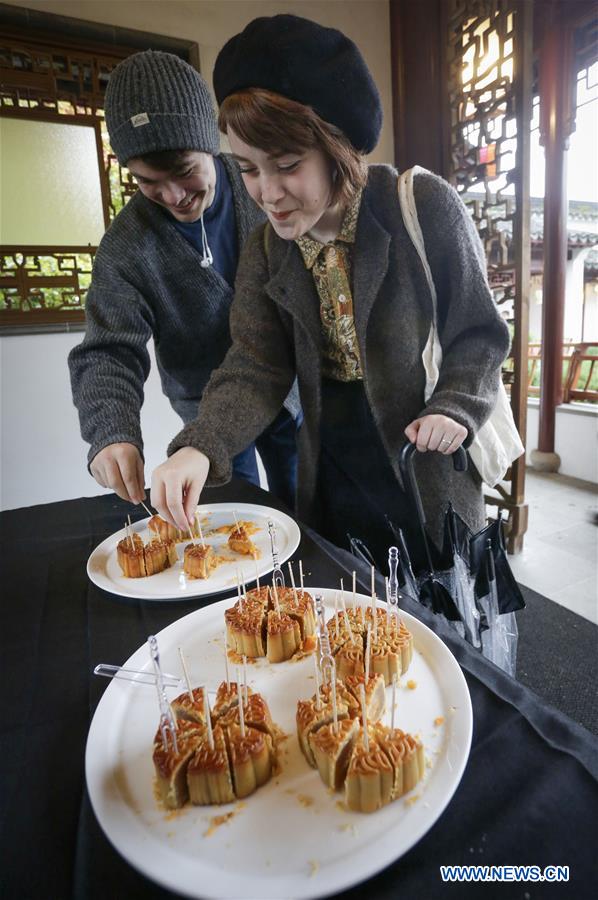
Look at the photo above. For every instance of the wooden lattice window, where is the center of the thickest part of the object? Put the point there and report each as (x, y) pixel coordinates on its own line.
(38, 281)
(489, 63)
(56, 81)
(484, 130)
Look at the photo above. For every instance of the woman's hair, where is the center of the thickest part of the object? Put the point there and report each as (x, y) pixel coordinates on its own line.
(277, 126)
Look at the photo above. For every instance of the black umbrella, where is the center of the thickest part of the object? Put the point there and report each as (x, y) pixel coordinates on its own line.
(433, 592)
(472, 584)
(498, 630)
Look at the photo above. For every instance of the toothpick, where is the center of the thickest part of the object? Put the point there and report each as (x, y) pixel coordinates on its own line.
(301, 574)
(373, 582)
(245, 688)
(336, 607)
(394, 701)
(293, 584)
(346, 617)
(333, 688)
(354, 590)
(130, 533)
(236, 520)
(226, 668)
(150, 514)
(192, 536)
(367, 653)
(206, 712)
(374, 615)
(364, 720)
(240, 705)
(186, 673)
(257, 577)
(239, 591)
(317, 671)
(196, 517)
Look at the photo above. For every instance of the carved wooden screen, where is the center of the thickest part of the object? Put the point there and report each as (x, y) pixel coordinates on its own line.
(46, 286)
(489, 65)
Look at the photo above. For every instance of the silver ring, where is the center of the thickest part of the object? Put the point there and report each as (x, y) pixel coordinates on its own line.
(444, 441)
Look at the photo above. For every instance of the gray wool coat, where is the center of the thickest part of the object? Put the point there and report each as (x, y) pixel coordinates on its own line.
(275, 326)
(148, 282)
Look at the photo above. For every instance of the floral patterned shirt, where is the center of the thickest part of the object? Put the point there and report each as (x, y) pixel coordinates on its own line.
(330, 265)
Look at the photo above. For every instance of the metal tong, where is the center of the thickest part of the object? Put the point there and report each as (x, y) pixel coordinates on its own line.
(277, 573)
(167, 723)
(110, 671)
(327, 665)
(393, 582)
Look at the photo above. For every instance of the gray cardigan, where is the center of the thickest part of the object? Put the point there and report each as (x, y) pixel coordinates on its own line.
(276, 333)
(147, 282)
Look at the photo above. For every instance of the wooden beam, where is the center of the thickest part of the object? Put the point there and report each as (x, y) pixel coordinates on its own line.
(518, 510)
(418, 83)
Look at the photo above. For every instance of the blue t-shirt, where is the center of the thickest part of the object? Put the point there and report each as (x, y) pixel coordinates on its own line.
(221, 227)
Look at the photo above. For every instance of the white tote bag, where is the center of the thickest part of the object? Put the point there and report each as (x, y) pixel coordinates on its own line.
(497, 444)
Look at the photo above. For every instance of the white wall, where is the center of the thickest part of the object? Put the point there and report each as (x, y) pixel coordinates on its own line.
(575, 440)
(42, 456)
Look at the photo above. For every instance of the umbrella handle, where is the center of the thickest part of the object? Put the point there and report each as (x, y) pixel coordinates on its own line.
(406, 455)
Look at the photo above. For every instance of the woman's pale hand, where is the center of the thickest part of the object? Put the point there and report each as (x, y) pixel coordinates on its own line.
(436, 432)
(177, 484)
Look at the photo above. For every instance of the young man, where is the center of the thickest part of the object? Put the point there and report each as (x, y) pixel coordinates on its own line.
(165, 269)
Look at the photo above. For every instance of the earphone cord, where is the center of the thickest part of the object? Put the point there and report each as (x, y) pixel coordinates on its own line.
(207, 258)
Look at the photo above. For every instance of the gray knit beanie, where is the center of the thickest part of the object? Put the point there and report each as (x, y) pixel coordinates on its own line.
(155, 101)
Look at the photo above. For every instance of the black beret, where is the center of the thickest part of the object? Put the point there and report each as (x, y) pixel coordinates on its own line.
(305, 62)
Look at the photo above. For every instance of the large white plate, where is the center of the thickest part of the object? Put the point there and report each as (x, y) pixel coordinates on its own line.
(291, 838)
(172, 584)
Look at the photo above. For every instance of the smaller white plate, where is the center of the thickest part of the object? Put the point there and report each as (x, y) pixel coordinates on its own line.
(172, 584)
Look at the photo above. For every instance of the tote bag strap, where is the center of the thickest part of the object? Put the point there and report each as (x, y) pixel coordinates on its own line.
(432, 353)
(497, 444)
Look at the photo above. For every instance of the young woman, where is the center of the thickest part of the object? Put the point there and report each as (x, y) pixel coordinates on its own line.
(331, 290)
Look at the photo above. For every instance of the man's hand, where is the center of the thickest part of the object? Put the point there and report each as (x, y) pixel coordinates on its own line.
(120, 468)
(436, 432)
(177, 484)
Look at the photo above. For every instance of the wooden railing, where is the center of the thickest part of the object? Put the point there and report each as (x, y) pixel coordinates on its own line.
(580, 371)
(582, 382)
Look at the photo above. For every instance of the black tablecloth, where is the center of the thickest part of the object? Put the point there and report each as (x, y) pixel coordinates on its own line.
(529, 795)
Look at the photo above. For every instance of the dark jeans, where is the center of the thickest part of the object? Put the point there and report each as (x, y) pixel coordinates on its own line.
(357, 487)
(278, 450)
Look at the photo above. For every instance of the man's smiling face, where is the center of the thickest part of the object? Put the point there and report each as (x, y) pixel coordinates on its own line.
(185, 191)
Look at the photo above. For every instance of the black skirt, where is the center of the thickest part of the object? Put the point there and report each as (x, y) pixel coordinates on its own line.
(357, 487)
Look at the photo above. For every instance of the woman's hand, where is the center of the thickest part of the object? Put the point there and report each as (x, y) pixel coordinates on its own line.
(177, 484)
(435, 432)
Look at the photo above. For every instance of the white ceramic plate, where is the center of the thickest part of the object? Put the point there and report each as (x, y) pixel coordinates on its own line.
(172, 584)
(292, 838)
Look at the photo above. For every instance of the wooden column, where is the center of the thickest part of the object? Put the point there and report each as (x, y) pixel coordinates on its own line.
(556, 121)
